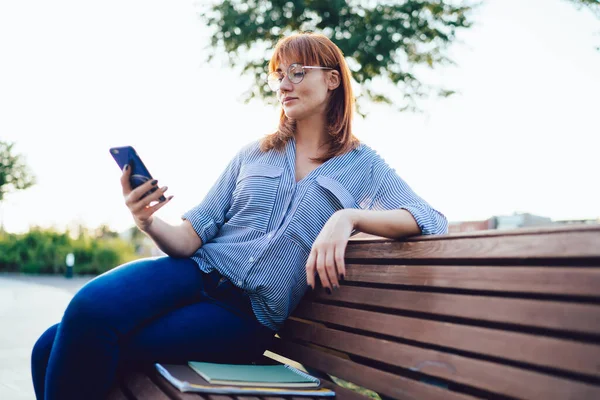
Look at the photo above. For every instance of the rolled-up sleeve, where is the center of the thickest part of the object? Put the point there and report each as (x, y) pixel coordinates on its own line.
(394, 193)
(208, 216)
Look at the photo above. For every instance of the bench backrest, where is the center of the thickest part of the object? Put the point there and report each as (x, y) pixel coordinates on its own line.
(491, 314)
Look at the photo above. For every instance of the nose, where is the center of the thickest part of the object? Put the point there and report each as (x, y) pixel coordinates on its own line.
(286, 85)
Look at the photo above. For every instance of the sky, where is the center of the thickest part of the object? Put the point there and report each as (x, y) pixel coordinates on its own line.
(79, 77)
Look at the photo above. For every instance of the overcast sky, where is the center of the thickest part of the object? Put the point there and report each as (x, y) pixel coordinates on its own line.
(79, 77)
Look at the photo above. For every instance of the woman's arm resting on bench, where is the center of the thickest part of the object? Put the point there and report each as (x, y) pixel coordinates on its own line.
(327, 254)
(392, 224)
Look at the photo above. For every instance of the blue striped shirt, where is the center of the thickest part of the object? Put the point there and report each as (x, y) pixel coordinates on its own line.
(257, 224)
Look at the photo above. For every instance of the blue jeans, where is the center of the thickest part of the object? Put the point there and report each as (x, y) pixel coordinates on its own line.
(152, 310)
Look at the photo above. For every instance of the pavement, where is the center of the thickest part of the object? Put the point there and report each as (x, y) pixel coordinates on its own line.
(29, 304)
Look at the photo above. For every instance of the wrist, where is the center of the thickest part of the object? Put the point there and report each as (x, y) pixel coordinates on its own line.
(352, 215)
(145, 226)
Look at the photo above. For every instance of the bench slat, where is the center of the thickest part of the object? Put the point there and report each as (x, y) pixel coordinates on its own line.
(170, 390)
(543, 351)
(565, 316)
(394, 386)
(485, 375)
(142, 387)
(558, 245)
(576, 281)
(534, 230)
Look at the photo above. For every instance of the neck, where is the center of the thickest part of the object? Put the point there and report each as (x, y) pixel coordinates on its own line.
(311, 134)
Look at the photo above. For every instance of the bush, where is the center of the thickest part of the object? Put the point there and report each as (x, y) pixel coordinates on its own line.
(44, 251)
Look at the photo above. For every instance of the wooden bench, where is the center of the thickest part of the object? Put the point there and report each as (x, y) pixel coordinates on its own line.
(492, 314)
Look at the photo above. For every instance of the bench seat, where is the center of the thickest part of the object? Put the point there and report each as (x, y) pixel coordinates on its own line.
(491, 314)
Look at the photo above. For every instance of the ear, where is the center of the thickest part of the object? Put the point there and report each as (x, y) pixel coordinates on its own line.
(333, 79)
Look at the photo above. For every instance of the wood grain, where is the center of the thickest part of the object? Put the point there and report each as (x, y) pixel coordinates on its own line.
(534, 230)
(394, 386)
(142, 387)
(572, 280)
(560, 245)
(496, 378)
(544, 351)
(584, 318)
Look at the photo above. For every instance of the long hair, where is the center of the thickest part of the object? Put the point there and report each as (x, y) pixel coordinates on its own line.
(317, 49)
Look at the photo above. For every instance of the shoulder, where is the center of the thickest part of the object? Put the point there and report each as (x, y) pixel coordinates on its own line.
(250, 149)
(366, 155)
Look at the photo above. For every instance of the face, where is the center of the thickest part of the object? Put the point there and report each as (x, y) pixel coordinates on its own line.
(309, 97)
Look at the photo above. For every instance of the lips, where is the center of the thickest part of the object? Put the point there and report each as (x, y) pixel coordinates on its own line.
(288, 99)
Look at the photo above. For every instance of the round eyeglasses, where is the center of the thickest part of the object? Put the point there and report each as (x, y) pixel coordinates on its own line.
(295, 74)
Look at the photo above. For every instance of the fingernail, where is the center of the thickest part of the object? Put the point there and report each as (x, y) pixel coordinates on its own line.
(154, 182)
(126, 167)
(170, 197)
(342, 277)
(328, 290)
(336, 287)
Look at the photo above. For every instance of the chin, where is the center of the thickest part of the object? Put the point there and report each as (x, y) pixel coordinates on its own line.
(293, 114)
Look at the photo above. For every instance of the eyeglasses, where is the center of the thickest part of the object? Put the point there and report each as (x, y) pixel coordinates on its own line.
(295, 74)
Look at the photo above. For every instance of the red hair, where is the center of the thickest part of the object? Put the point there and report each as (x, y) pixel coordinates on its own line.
(316, 49)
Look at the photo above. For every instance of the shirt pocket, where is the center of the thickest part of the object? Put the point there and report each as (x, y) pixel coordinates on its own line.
(254, 196)
(323, 198)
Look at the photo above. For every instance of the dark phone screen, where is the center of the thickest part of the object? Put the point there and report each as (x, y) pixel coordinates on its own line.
(139, 172)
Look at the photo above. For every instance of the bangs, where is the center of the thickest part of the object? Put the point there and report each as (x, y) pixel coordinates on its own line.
(315, 49)
(297, 49)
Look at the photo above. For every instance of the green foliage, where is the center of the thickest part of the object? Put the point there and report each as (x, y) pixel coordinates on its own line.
(14, 174)
(44, 251)
(382, 40)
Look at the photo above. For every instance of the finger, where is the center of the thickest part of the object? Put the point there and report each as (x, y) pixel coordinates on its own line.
(147, 201)
(125, 180)
(330, 267)
(322, 272)
(159, 205)
(310, 269)
(340, 252)
(137, 193)
(156, 195)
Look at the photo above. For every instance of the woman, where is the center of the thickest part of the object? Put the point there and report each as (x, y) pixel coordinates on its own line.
(277, 219)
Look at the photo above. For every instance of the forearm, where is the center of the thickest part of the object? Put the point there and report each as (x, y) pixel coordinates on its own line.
(387, 223)
(176, 241)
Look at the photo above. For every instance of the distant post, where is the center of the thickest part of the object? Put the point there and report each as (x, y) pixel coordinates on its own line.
(70, 261)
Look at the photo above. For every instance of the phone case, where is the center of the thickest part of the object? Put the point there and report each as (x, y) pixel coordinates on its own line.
(139, 173)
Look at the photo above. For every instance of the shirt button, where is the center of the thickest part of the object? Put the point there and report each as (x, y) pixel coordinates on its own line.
(239, 283)
(251, 259)
(270, 235)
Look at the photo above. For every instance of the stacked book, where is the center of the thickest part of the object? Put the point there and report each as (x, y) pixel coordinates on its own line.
(240, 379)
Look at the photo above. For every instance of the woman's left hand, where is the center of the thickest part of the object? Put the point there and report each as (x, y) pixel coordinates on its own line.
(327, 253)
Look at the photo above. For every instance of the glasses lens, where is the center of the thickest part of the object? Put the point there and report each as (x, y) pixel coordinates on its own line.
(274, 80)
(296, 73)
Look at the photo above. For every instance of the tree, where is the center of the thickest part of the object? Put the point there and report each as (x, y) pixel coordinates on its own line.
(592, 5)
(14, 173)
(382, 40)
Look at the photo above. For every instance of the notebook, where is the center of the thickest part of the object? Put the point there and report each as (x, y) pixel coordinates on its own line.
(184, 378)
(254, 375)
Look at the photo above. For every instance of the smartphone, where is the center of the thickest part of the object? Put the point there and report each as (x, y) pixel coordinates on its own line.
(139, 173)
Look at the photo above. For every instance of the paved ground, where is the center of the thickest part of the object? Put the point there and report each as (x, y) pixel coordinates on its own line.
(28, 306)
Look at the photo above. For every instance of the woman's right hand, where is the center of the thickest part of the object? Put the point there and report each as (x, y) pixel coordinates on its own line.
(141, 209)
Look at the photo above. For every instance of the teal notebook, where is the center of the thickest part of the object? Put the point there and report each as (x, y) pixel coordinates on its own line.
(254, 375)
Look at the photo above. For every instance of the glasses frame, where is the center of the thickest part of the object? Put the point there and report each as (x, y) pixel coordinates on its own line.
(287, 73)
